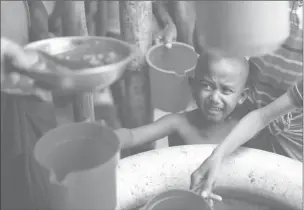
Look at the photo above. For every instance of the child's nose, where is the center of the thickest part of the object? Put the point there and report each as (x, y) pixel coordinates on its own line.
(215, 97)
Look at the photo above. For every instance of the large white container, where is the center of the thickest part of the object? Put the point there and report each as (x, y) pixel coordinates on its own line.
(245, 28)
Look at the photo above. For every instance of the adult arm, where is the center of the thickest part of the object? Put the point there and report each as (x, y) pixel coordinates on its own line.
(258, 119)
(169, 31)
(161, 13)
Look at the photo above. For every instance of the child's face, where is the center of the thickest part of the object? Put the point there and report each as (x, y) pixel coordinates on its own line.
(218, 86)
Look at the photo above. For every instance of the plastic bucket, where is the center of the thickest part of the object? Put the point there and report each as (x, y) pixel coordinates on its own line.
(82, 160)
(169, 71)
(177, 200)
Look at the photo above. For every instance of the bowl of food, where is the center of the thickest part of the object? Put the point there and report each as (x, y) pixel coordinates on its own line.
(82, 64)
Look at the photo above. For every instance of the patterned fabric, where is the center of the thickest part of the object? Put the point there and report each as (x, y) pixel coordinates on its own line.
(278, 72)
(296, 94)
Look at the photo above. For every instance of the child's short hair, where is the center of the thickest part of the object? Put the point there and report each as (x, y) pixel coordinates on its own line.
(252, 68)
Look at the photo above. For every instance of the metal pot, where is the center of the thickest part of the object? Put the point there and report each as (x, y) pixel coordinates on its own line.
(85, 78)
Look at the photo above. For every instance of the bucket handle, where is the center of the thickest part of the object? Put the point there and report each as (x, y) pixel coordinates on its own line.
(185, 72)
(180, 75)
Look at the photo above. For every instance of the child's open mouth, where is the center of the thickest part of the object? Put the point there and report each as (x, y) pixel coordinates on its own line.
(215, 110)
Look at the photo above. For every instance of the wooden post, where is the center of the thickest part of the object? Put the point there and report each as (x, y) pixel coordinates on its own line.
(97, 17)
(132, 93)
(55, 17)
(74, 24)
(102, 18)
(97, 23)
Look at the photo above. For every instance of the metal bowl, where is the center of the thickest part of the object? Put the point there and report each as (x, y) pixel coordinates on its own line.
(88, 78)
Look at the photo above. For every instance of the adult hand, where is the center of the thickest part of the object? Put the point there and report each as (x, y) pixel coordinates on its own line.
(13, 83)
(204, 177)
(167, 35)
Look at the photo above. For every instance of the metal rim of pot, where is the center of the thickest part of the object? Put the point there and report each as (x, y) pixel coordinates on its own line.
(133, 51)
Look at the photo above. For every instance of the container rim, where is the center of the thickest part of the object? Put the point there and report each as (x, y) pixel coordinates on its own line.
(163, 70)
(133, 52)
(168, 194)
(116, 143)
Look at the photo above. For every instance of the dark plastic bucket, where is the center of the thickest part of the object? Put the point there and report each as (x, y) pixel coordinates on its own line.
(169, 72)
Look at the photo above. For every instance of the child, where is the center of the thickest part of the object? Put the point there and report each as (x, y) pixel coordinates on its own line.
(220, 86)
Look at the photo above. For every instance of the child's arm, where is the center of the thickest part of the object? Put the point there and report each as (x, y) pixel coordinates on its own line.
(256, 120)
(157, 130)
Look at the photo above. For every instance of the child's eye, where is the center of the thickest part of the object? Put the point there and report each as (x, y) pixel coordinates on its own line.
(206, 86)
(227, 91)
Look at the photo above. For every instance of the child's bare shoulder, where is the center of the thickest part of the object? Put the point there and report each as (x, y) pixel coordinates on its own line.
(177, 118)
(184, 119)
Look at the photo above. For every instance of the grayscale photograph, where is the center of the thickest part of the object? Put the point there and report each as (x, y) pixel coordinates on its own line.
(151, 105)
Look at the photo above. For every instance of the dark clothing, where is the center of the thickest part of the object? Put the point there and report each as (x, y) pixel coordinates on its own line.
(24, 119)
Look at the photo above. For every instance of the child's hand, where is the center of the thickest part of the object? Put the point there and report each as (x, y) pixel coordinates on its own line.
(167, 35)
(203, 179)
